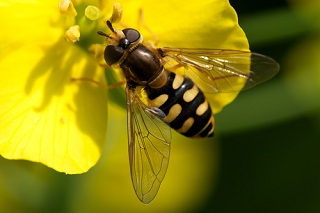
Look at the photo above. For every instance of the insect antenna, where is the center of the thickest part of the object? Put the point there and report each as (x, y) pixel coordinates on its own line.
(110, 26)
(102, 33)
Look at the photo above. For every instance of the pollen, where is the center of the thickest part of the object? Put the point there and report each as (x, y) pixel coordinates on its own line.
(66, 7)
(73, 34)
(92, 12)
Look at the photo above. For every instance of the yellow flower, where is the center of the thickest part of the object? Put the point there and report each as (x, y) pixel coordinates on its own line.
(44, 116)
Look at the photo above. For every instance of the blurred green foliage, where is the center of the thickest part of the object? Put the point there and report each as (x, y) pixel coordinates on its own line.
(271, 134)
(268, 138)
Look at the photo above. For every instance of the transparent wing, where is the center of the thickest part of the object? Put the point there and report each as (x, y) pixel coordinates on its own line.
(217, 71)
(149, 146)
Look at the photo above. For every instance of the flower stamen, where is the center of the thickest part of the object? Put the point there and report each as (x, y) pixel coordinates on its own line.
(73, 34)
(66, 7)
(92, 13)
(117, 13)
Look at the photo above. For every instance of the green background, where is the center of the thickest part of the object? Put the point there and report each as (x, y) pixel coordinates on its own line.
(271, 134)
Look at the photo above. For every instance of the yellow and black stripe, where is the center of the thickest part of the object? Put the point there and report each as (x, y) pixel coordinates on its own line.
(185, 106)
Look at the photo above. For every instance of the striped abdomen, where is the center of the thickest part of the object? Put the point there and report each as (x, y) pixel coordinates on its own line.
(185, 106)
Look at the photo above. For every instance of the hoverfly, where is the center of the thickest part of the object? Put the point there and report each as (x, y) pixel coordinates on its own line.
(174, 100)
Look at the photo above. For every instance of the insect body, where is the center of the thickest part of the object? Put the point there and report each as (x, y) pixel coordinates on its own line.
(184, 105)
(173, 100)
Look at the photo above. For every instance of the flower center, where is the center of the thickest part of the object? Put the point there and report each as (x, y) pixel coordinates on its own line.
(82, 23)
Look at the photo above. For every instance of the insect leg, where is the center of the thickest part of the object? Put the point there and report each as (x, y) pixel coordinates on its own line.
(97, 50)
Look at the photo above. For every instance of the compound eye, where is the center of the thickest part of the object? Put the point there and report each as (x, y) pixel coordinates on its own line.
(131, 34)
(112, 54)
(124, 43)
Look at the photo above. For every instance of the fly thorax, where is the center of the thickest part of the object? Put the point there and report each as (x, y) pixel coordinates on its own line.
(141, 65)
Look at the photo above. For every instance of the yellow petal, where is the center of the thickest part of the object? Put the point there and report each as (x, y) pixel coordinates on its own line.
(207, 23)
(47, 118)
(29, 22)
